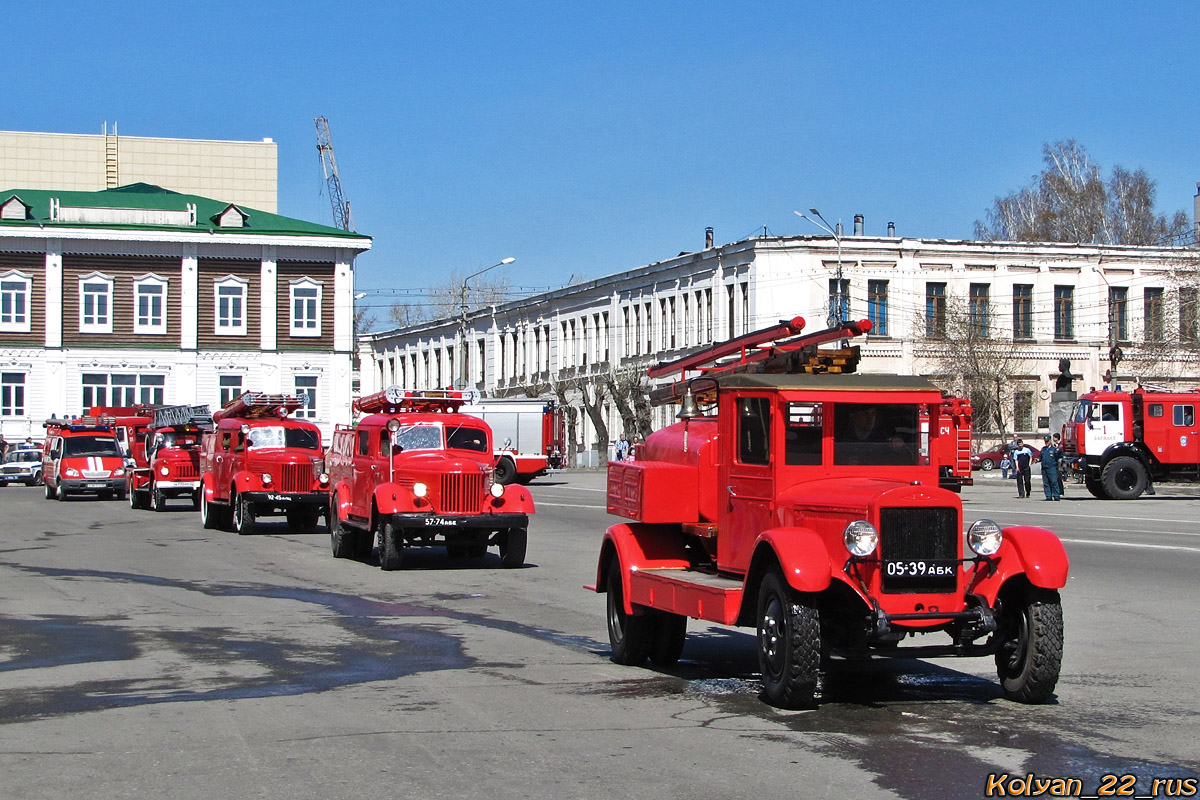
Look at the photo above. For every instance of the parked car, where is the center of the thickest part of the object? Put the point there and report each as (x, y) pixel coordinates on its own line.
(22, 465)
(991, 459)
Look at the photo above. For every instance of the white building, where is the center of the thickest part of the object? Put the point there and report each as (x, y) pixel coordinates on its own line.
(142, 295)
(1058, 301)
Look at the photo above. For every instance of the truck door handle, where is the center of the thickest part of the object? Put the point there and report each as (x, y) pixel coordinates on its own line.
(732, 493)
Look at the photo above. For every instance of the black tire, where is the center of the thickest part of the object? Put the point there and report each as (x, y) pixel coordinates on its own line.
(50, 492)
(1124, 478)
(1094, 486)
(789, 643)
(210, 515)
(629, 635)
(196, 499)
(669, 636)
(1030, 654)
(506, 471)
(158, 501)
(60, 493)
(341, 539)
(391, 546)
(243, 515)
(512, 547)
(133, 499)
(987, 464)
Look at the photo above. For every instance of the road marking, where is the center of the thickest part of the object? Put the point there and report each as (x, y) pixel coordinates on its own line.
(540, 503)
(967, 508)
(1134, 545)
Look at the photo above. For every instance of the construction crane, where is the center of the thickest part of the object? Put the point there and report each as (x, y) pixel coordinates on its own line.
(341, 206)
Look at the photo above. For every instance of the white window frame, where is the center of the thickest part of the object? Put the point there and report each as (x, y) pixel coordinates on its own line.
(12, 394)
(234, 327)
(309, 394)
(122, 389)
(308, 321)
(155, 322)
(12, 318)
(97, 320)
(226, 387)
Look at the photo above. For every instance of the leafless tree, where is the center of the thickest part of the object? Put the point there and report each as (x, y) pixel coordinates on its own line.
(446, 299)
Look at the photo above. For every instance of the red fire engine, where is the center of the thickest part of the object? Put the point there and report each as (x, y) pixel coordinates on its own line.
(167, 457)
(1123, 441)
(802, 499)
(415, 471)
(261, 462)
(82, 456)
(529, 436)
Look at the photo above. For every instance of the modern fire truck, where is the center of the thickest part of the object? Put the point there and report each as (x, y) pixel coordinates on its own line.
(528, 436)
(954, 443)
(415, 471)
(260, 462)
(82, 456)
(802, 499)
(1120, 442)
(167, 458)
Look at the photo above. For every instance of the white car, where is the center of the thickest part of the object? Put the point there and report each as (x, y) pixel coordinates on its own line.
(22, 465)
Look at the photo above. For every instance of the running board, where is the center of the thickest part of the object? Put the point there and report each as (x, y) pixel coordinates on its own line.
(701, 595)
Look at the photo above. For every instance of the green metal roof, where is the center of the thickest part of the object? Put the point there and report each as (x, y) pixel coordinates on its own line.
(148, 196)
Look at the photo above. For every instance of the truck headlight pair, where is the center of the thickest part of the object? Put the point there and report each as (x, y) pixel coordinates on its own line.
(984, 538)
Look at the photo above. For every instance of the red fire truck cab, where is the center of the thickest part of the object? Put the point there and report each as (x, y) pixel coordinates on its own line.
(1120, 442)
(168, 457)
(260, 462)
(82, 456)
(803, 500)
(414, 471)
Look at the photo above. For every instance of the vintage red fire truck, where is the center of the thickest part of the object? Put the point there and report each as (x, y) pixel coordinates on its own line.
(954, 443)
(260, 462)
(82, 456)
(1121, 442)
(415, 471)
(528, 436)
(167, 456)
(800, 498)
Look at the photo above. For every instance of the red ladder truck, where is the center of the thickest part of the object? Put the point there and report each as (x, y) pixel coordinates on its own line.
(803, 499)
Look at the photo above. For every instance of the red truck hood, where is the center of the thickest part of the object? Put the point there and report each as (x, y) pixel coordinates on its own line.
(856, 495)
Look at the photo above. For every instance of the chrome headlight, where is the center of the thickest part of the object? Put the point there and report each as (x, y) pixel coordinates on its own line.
(984, 537)
(164, 471)
(420, 489)
(266, 478)
(861, 538)
(323, 478)
(497, 490)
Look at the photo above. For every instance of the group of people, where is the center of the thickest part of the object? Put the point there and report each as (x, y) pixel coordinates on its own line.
(5, 446)
(1018, 459)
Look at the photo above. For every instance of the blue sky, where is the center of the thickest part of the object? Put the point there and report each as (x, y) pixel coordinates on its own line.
(588, 138)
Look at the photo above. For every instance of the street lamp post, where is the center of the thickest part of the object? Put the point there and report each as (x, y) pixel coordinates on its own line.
(836, 317)
(462, 322)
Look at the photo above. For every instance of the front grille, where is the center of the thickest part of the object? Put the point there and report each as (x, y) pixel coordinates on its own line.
(461, 493)
(183, 470)
(914, 542)
(295, 478)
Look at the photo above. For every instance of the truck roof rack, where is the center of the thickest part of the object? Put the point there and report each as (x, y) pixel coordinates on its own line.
(394, 400)
(255, 405)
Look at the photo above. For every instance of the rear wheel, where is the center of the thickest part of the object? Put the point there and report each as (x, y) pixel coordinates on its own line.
(1030, 655)
(1094, 486)
(506, 471)
(669, 636)
(987, 464)
(391, 546)
(512, 547)
(1124, 478)
(789, 643)
(629, 635)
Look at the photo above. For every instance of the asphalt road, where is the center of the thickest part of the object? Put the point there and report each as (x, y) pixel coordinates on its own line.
(143, 656)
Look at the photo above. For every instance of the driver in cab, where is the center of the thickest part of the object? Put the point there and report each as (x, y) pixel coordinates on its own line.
(863, 439)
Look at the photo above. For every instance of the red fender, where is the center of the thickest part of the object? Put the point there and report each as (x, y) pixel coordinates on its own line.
(640, 546)
(1035, 552)
(342, 489)
(206, 486)
(515, 500)
(802, 556)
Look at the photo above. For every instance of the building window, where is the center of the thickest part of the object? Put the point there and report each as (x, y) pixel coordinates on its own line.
(122, 389)
(979, 309)
(230, 298)
(14, 303)
(1188, 314)
(1152, 314)
(1118, 313)
(839, 301)
(12, 394)
(150, 305)
(95, 304)
(306, 308)
(877, 306)
(1023, 311)
(1023, 410)
(230, 387)
(306, 390)
(1064, 312)
(935, 310)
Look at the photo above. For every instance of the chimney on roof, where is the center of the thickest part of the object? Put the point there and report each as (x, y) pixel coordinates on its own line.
(858, 224)
(708, 238)
(891, 229)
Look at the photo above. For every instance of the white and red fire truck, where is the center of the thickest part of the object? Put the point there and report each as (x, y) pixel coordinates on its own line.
(803, 500)
(82, 456)
(415, 471)
(528, 436)
(1121, 442)
(258, 462)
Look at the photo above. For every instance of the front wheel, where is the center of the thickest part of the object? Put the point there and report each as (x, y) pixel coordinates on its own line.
(512, 547)
(506, 471)
(243, 515)
(987, 464)
(789, 643)
(1124, 478)
(61, 493)
(1030, 654)
(391, 546)
(341, 540)
(158, 501)
(50, 493)
(629, 635)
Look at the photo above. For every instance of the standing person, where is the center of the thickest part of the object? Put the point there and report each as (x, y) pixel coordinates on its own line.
(622, 448)
(3, 447)
(1062, 482)
(1005, 464)
(1022, 457)
(1051, 456)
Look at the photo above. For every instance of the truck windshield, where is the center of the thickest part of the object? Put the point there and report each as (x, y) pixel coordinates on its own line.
(418, 437)
(465, 438)
(1081, 411)
(280, 436)
(91, 446)
(875, 433)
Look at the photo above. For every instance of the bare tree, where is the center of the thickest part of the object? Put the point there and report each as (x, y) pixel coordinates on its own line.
(591, 395)
(628, 387)
(446, 299)
(1069, 201)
